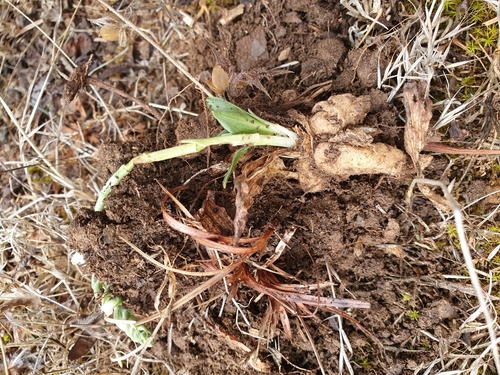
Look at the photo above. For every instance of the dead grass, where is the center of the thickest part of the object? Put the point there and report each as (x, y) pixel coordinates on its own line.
(48, 176)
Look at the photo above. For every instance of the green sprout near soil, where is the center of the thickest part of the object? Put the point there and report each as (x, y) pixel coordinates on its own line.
(413, 314)
(124, 318)
(494, 228)
(364, 363)
(405, 296)
(241, 128)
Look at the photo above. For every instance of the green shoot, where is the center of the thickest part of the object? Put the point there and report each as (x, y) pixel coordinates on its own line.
(413, 314)
(240, 129)
(113, 306)
(406, 296)
(364, 363)
(237, 121)
(425, 344)
(236, 158)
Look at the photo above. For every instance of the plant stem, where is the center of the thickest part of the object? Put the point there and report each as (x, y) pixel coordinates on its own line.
(147, 157)
(439, 147)
(189, 146)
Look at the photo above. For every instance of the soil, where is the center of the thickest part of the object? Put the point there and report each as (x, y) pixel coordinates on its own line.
(360, 227)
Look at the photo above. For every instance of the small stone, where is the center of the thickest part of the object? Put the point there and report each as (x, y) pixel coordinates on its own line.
(284, 54)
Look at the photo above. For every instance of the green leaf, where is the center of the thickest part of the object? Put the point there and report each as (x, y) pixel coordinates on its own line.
(236, 158)
(234, 119)
(237, 121)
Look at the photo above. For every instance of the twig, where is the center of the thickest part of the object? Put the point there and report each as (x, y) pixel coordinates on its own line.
(438, 147)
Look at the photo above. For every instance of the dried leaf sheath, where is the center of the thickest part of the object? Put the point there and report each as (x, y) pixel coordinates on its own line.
(418, 116)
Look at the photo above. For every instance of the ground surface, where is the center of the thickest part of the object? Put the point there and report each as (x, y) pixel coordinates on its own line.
(341, 227)
(415, 312)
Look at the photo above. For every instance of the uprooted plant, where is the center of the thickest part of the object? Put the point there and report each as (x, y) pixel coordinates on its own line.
(345, 147)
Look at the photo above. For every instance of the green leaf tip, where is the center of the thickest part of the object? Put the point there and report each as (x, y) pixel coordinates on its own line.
(238, 121)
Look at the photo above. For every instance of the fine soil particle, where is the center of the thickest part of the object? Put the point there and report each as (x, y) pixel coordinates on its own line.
(351, 228)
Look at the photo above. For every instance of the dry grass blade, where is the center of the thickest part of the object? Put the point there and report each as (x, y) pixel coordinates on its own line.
(207, 284)
(482, 298)
(343, 338)
(313, 346)
(167, 268)
(156, 46)
(438, 147)
(217, 241)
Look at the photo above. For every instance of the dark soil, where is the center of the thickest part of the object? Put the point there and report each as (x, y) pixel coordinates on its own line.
(348, 227)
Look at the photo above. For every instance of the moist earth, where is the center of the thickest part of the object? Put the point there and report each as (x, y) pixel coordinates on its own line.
(361, 228)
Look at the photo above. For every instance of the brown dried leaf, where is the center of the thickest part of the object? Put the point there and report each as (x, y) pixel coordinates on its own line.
(418, 116)
(219, 81)
(214, 218)
(81, 347)
(254, 175)
(213, 240)
(77, 81)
